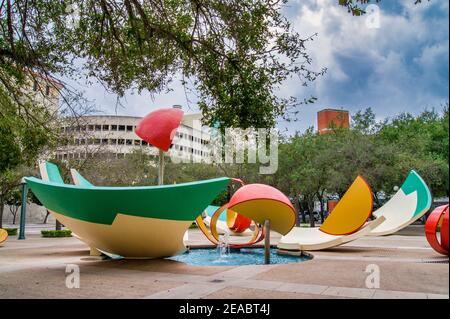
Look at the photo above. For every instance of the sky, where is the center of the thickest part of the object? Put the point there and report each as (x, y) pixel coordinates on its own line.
(396, 63)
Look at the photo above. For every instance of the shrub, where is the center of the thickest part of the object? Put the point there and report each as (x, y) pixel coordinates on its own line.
(193, 226)
(56, 233)
(11, 231)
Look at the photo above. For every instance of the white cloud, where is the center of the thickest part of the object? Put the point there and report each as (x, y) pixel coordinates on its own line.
(401, 66)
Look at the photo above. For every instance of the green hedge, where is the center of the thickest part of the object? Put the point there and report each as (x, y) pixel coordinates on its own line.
(56, 233)
(11, 231)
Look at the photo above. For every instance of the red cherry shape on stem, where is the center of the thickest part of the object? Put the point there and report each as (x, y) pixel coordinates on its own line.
(158, 127)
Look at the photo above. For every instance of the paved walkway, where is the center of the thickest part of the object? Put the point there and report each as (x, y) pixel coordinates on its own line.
(408, 268)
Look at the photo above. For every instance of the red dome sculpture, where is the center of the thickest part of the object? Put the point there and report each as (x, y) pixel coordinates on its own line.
(257, 203)
(158, 127)
(261, 202)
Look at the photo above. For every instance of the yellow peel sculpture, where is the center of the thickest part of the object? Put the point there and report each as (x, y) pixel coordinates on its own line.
(352, 211)
(346, 222)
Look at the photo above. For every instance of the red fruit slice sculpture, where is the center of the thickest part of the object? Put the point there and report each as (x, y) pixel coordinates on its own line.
(438, 216)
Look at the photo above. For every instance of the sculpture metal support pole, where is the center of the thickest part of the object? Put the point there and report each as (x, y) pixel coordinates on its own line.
(161, 168)
(267, 242)
(23, 209)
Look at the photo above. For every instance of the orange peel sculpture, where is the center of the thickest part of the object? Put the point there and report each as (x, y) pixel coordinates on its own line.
(439, 216)
(253, 203)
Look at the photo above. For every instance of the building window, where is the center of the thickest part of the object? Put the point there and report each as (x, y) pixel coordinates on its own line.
(129, 142)
(83, 128)
(137, 142)
(105, 127)
(97, 141)
(120, 155)
(113, 141)
(113, 127)
(98, 127)
(121, 141)
(82, 141)
(129, 128)
(144, 143)
(104, 141)
(121, 127)
(90, 127)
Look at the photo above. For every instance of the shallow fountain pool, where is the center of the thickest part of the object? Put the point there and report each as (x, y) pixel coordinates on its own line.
(236, 257)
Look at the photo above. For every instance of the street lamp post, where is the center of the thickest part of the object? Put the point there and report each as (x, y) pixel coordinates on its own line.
(267, 242)
(23, 208)
(161, 168)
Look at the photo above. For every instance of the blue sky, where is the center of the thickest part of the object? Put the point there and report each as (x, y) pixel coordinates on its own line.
(402, 66)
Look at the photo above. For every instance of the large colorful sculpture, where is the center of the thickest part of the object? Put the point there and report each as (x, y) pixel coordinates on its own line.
(438, 218)
(339, 228)
(346, 222)
(146, 222)
(101, 216)
(343, 225)
(133, 222)
(411, 202)
(257, 203)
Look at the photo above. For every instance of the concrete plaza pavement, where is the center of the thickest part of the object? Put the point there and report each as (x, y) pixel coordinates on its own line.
(408, 268)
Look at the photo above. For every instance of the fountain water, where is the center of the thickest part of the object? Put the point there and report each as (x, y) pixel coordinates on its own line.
(223, 246)
(223, 255)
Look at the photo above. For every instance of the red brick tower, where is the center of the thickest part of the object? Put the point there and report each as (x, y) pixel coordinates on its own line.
(332, 118)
